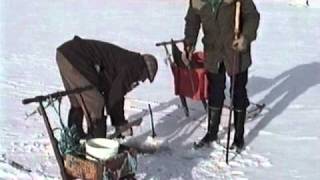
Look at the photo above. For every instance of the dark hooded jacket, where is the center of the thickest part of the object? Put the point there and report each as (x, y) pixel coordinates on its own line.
(108, 67)
(217, 22)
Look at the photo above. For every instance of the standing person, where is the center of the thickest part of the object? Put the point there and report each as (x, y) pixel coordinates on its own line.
(217, 19)
(111, 70)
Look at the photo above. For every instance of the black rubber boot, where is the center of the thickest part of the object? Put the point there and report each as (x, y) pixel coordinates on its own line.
(239, 120)
(124, 133)
(214, 116)
(75, 118)
(98, 128)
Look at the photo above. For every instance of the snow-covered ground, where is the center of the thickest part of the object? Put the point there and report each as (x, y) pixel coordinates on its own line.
(284, 143)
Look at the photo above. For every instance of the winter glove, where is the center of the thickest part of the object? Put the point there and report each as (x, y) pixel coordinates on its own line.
(188, 49)
(240, 44)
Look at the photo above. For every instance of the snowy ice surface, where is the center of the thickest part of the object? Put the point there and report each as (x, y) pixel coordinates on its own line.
(282, 144)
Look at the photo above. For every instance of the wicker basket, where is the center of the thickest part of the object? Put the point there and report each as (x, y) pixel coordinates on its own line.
(117, 167)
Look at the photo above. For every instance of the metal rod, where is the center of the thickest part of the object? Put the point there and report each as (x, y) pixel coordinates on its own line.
(169, 42)
(152, 124)
(236, 58)
(184, 105)
(54, 143)
(56, 95)
(168, 58)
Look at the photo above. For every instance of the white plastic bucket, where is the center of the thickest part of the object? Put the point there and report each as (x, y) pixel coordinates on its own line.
(101, 148)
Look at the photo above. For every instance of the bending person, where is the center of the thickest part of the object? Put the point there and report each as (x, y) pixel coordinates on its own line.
(111, 70)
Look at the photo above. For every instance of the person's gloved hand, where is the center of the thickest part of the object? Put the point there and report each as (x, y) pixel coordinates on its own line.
(188, 49)
(240, 44)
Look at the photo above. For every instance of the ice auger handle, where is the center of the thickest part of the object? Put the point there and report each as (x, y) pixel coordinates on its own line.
(56, 95)
(169, 42)
(35, 99)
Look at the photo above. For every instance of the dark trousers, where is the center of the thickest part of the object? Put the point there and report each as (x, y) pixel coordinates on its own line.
(117, 114)
(217, 86)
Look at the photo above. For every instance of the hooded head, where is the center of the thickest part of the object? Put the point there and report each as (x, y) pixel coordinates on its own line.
(152, 66)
